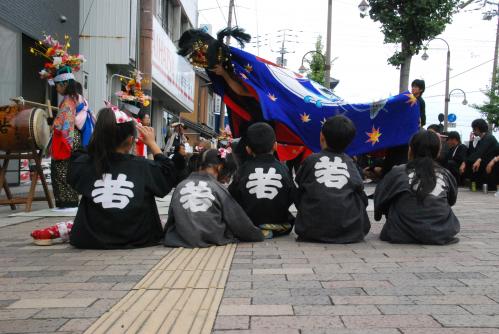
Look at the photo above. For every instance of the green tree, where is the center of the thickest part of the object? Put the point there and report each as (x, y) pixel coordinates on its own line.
(317, 66)
(410, 23)
(490, 109)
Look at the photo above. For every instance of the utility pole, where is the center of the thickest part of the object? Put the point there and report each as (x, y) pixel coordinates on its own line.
(494, 70)
(227, 41)
(327, 67)
(144, 63)
(283, 51)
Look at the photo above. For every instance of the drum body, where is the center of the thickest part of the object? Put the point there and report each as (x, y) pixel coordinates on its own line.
(22, 129)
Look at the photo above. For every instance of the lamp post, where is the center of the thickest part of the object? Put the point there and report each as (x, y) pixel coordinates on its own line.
(303, 69)
(465, 102)
(363, 7)
(447, 75)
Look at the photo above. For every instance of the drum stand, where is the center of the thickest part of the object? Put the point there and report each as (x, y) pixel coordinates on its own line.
(36, 155)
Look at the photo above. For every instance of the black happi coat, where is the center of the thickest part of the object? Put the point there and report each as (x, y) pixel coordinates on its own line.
(124, 216)
(202, 214)
(407, 221)
(331, 200)
(264, 202)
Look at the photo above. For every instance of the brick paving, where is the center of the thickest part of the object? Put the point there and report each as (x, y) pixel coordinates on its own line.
(279, 286)
(282, 286)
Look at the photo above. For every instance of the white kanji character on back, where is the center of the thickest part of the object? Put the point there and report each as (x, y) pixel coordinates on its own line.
(196, 198)
(264, 185)
(333, 174)
(113, 193)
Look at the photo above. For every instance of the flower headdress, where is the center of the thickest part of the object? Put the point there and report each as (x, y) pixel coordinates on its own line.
(133, 95)
(225, 142)
(60, 65)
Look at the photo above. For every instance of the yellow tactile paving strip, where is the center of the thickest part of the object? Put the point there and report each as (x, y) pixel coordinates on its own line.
(181, 294)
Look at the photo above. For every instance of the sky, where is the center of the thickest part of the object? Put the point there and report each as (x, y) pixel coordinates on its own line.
(361, 56)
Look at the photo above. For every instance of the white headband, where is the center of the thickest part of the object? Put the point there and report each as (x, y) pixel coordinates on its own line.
(64, 77)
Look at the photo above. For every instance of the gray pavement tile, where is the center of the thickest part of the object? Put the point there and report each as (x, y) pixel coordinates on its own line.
(232, 322)
(296, 322)
(328, 292)
(422, 309)
(31, 325)
(291, 300)
(468, 320)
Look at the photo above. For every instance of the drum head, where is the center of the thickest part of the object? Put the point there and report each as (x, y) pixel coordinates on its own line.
(40, 128)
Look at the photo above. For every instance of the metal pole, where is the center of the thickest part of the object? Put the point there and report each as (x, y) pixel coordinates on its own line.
(227, 41)
(494, 70)
(327, 68)
(447, 97)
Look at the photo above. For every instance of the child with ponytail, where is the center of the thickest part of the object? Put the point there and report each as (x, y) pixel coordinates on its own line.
(117, 208)
(416, 198)
(202, 212)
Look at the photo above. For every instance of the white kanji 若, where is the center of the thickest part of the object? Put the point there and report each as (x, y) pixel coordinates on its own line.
(264, 185)
(112, 193)
(440, 185)
(333, 174)
(196, 198)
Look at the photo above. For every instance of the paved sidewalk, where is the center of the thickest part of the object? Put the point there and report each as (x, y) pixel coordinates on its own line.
(373, 287)
(274, 287)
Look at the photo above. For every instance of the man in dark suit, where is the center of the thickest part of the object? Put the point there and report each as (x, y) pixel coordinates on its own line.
(455, 155)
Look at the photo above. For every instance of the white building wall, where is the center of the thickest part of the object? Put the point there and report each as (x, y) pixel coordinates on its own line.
(104, 40)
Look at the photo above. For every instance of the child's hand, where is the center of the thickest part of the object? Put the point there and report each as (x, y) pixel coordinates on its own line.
(147, 137)
(146, 134)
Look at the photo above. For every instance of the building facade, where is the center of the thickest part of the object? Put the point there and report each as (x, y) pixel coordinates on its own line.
(118, 36)
(22, 24)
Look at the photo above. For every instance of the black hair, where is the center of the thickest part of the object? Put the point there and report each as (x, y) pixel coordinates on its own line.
(212, 158)
(260, 138)
(480, 124)
(338, 131)
(454, 135)
(71, 89)
(435, 127)
(420, 84)
(425, 146)
(107, 137)
(79, 87)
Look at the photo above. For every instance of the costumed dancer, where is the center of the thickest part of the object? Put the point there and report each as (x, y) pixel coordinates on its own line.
(118, 207)
(213, 55)
(132, 100)
(66, 139)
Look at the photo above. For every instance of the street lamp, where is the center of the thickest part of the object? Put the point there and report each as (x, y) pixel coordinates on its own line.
(447, 75)
(302, 68)
(465, 102)
(363, 7)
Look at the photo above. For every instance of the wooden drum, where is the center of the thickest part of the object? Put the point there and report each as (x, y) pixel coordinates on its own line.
(23, 128)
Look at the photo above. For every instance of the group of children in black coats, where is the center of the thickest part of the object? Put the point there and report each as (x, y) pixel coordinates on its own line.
(118, 207)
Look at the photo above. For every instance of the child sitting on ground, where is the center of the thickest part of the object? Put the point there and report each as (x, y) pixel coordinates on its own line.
(416, 198)
(331, 200)
(263, 186)
(117, 208)
(202, 212)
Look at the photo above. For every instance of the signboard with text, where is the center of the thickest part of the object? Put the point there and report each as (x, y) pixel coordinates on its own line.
(170, 71)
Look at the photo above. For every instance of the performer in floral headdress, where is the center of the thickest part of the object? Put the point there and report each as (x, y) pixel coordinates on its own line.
(133, 99)
(59, 70)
